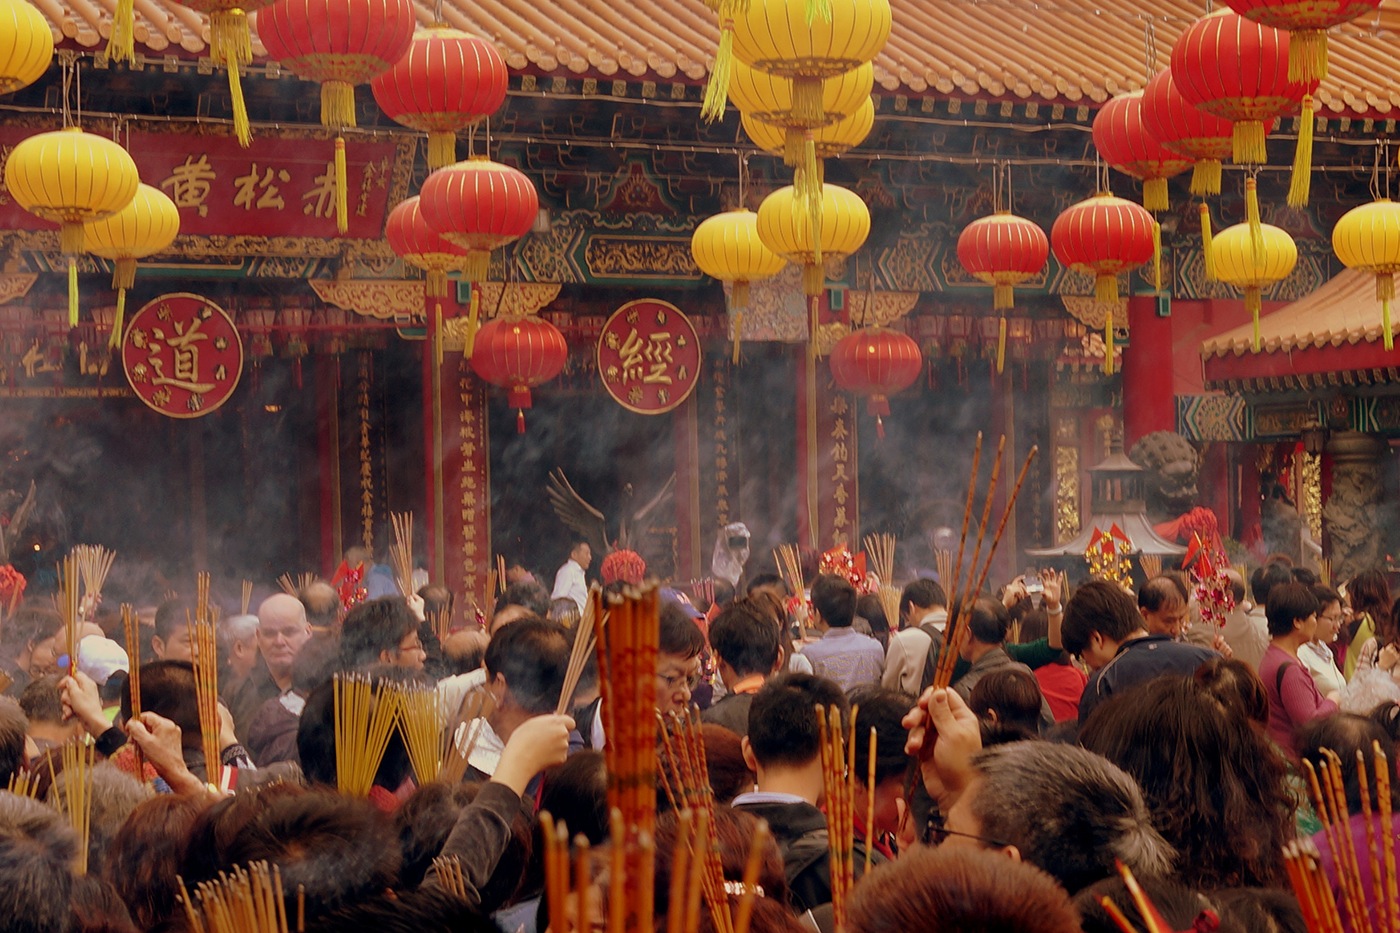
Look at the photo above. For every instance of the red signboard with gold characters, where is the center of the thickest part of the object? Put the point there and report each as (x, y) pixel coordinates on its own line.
(182, 355)
(649, 356)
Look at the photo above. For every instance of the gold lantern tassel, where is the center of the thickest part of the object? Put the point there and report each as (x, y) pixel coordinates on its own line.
(342, 195)
(818, 8)
(442, 149)
(1307, 55)
(1206, 241)
(72, 291)
(1253, 302)
(1106, 290)
(813, 278)
(808, 106)
(1301, 182)
(435, 285)
(121, 45)
(437, 331)
(1003, 296)
(1205, 177)
(1251, 214)
(738, 335)
(1001, 345)
(338, 104)
(1385, 291)
(717, 88)
(1248, 143)
(473, 322)
(123, 277)
(241, 129)
(231, 45)
(1157, 257)
(1154, 194)
(1108, 343)
(477, 265)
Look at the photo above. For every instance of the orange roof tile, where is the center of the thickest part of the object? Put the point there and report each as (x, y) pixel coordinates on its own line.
(1342, 312)
(1065, 51)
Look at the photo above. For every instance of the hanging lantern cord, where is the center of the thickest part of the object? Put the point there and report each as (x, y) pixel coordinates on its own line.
(1006, 186)
(1149, 49)
(743, 178)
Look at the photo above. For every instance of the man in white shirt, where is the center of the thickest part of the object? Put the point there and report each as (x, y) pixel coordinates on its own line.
(569, 581)
(922, 602)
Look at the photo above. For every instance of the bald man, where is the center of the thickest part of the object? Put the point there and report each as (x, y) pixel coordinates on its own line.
(282, 631)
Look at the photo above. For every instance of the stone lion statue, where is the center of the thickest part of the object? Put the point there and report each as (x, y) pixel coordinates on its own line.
(1173, 466)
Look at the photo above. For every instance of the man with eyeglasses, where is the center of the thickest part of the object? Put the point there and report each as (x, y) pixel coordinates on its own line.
(1059, 807)
(678, 668)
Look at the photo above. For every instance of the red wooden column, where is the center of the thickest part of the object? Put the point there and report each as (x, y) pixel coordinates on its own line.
(828, 507)
(326, 374)
(1149, 399)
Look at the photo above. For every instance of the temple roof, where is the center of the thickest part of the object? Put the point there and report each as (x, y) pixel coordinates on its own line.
(1332, 333)
(1060, 51)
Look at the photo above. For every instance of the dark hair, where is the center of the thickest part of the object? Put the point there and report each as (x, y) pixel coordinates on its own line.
(37, 849)
(745, 639)
(420, 911)
(734, 832)
(834, 599)
(1011, 695)
(924, 593)
(321, 602)
(1216, 787)
(872, 610)
(339, 850)
(577, 791)
(1369, 592)
(28, 625)
(527, 593)
(167, 689)
(679, 634)
(1346, 734)
(171, 616)
(1235, 685)
(1259, 910)
(436, 598)
(533, 656)
(13, 727)
(988, 622)
(1305, 575)
(423, 824)
(951, 890)
(1102, 607)
(1265, 578)
(1178, 904)
(1325, 595)
(315, 662)
(316, 748)
(372, 627)
(762, 580)
(882, 710)
(724, 759)
(216, 825)
(145, 856)
(98, 908)
(1288, 604)
(42, 701)
(783, 720)
(1159, 593)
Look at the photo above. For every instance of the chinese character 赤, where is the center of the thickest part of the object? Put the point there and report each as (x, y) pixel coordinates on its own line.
(251, 184)
(189, 183)
(322, 197)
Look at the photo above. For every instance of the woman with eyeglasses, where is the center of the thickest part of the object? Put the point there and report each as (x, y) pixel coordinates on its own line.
(1317, 655)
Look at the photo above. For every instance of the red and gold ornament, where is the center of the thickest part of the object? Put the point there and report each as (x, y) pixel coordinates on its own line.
(876, 362)
(1122, 138)
(519, 355)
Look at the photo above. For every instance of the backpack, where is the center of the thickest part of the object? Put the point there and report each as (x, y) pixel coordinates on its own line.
(931, 661)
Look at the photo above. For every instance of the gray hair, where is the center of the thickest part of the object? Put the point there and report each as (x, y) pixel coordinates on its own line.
(114, 795)
(240, 628)
(37, 849)
(1068, 811)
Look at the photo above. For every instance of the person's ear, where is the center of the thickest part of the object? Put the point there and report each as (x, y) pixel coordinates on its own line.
(1011, 852)
(781, 662)
(386, 656)
(749, 760)
(157, 646)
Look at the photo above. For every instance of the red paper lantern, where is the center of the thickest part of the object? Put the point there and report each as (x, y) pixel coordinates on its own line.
(1237, 69)
(447, 81)
(1307, 24)
(1104, 236)
(1003, 250)
(340, 43)
(519, 355)
(479, 205)
(415, 242)
(1187, 130)
(876, 362)
(1123, 140)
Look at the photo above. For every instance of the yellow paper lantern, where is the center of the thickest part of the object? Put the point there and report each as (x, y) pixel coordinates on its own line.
(789, 232)
(71, 177)
(26, 45)
(1368, 238)
(831, 140)
(727, 247)
(146, 226)
(1239, 260)
(782, 38)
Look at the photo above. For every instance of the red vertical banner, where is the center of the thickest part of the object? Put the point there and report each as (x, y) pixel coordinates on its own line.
(687, 444)
(327, 381)
(466, 481)
(827, 468)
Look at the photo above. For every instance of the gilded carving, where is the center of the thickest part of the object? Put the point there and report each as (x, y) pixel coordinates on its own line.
(1311, 481)
(1093, 315)
(886, 307)
(15, 285)
(1066, 493)
(640, 258)
(382, 299)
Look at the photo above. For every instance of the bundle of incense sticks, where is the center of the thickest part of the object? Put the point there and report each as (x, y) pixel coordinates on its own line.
(75, 792)
(131, 628)
(448, 869)
(943, 563)
(490, 596)
(401, 551)
(582, 653)
(94, 563)
(1324, 571)
(1147, 910)
(879, 548)
(789, 560)
(627, 646)
(964, 591)
(245, 901)
(291, 586)
(838, 749)
(365, 716)
(1151, 565)
(501, 581)
(67, 600)
(24, 784)
(685, 778)
(423, 725)
(1370, 905)
(204, 654)
(464, 733)
(441, 622)
(247, 599)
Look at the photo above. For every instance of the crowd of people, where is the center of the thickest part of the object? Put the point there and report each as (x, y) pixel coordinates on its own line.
(1082, 730)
